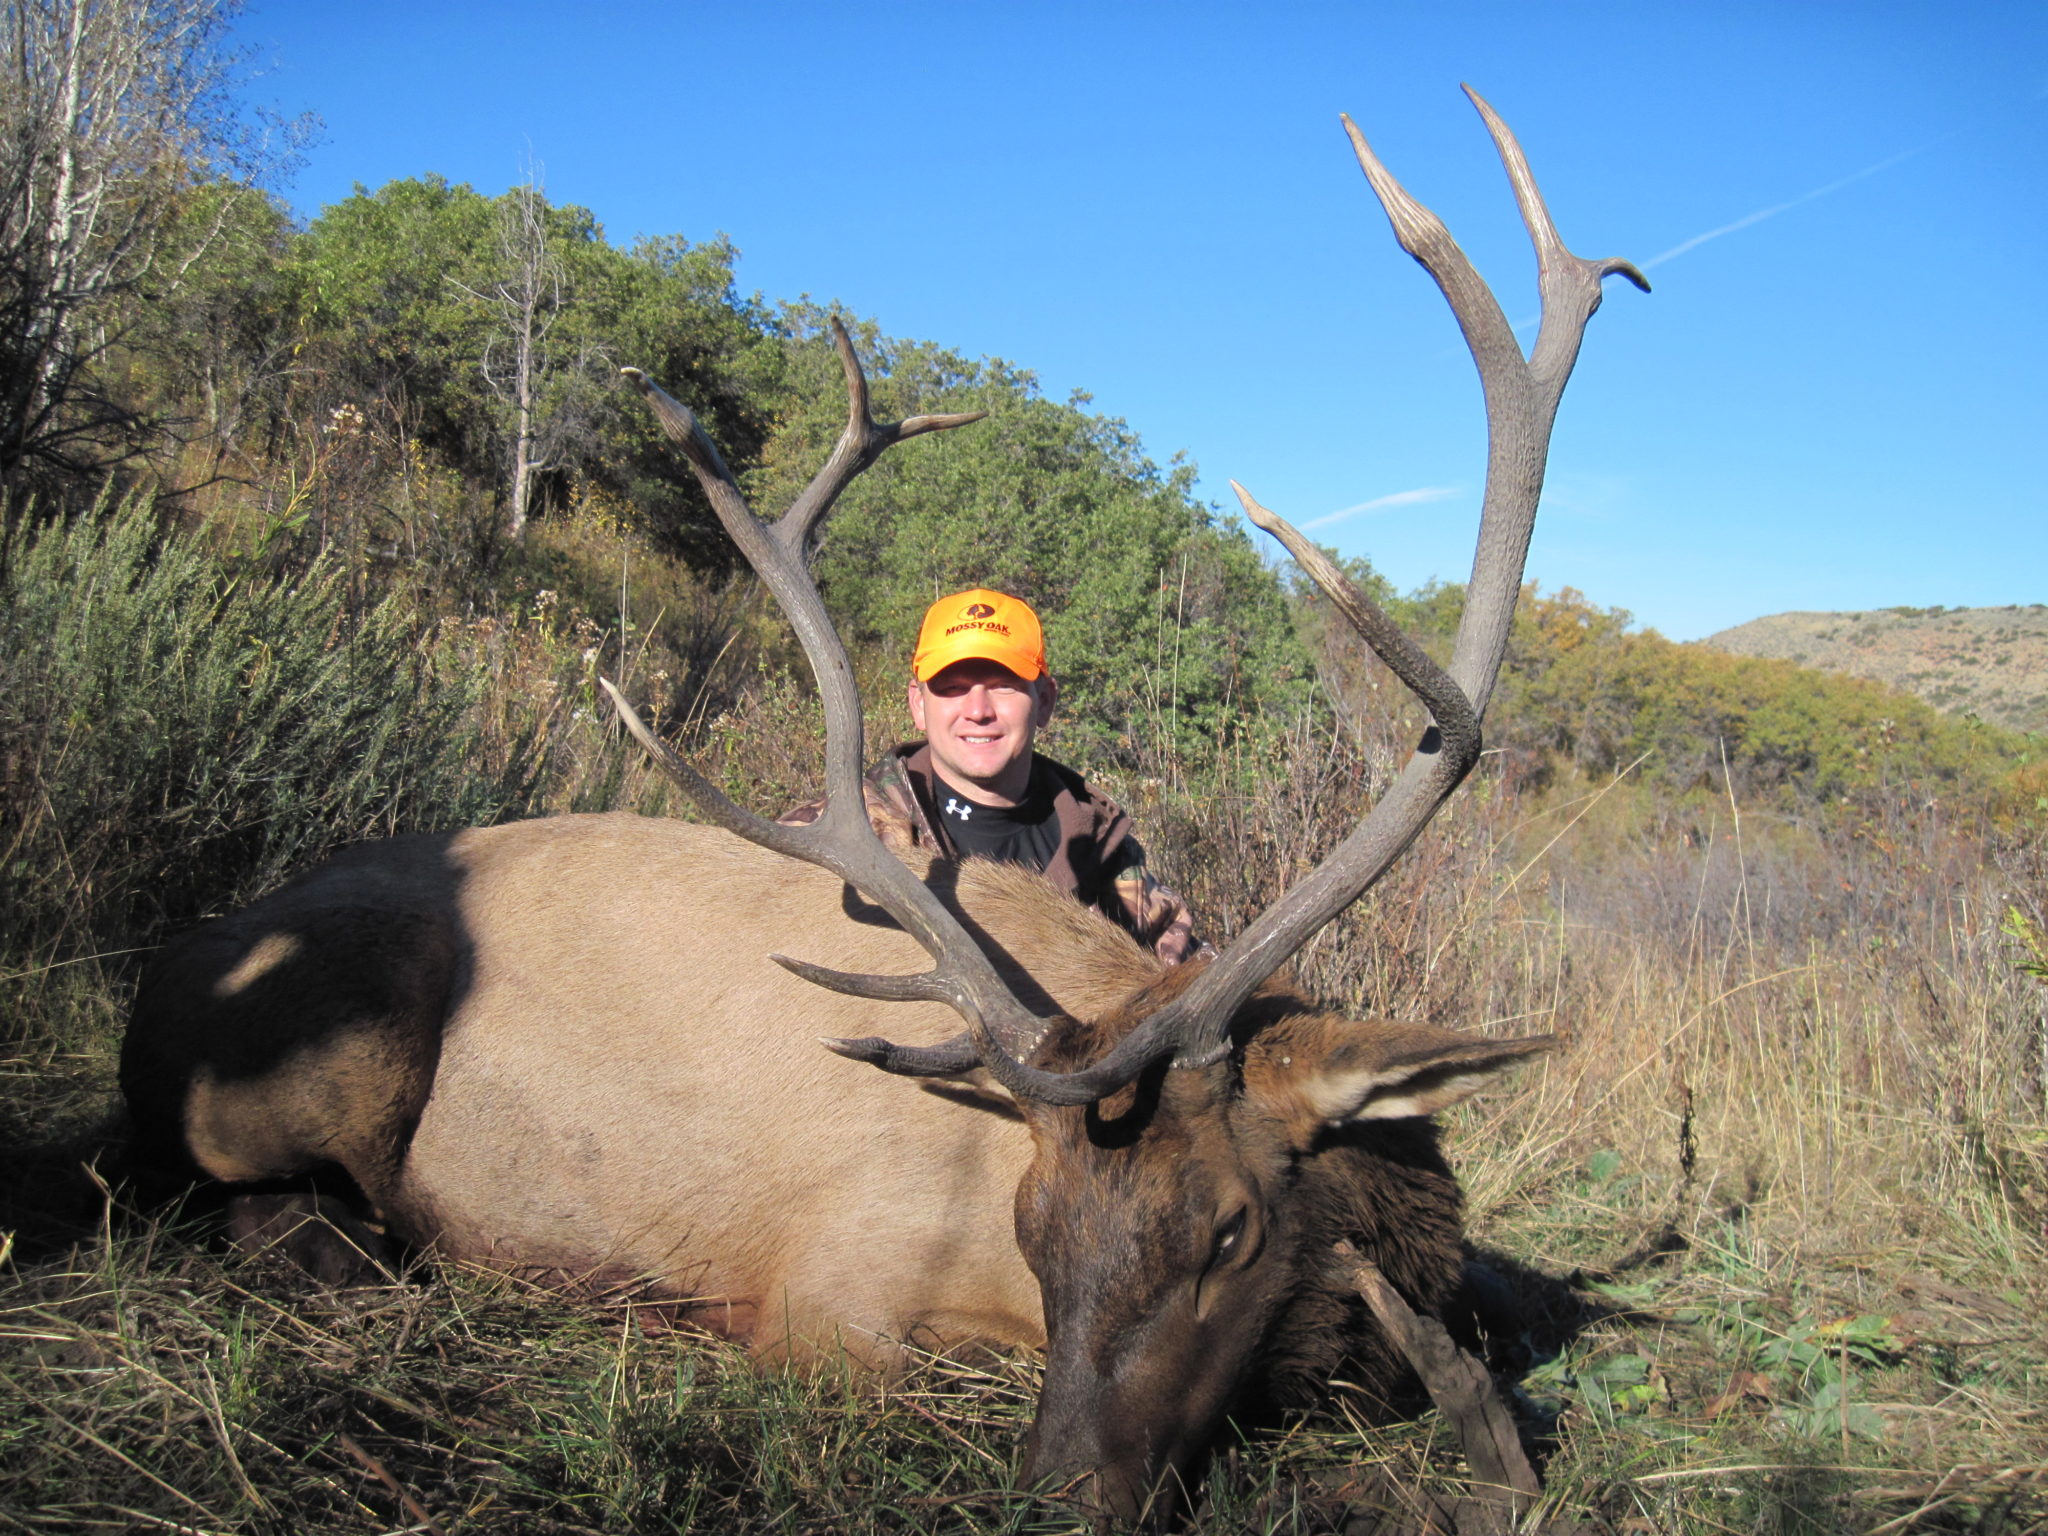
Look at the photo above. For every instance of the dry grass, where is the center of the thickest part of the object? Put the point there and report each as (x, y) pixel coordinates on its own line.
(1776, 1217)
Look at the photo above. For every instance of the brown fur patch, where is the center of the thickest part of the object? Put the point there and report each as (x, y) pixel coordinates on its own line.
(1079, 959)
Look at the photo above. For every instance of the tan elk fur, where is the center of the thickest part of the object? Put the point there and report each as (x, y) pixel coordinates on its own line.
(623, 1081)
(561, 1045)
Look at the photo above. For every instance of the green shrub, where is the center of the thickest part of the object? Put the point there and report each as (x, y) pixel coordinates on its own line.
(178, 736)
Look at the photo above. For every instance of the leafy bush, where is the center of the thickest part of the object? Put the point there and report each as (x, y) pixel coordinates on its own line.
(1162, 624)
(178, 736)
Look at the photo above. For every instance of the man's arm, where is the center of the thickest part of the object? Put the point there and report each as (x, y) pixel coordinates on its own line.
(892, 808)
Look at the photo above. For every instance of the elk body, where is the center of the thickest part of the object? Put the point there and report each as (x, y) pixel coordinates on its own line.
(580, 1044)
(524, 1045)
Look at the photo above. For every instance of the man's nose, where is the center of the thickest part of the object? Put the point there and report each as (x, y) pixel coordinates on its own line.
(980, 701)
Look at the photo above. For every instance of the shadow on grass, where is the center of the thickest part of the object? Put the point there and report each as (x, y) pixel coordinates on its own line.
(54, 1190)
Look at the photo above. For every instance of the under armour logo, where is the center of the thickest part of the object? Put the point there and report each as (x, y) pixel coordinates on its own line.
(955, 808)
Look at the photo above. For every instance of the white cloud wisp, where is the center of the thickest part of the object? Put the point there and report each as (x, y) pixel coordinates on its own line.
(1381, 503)
(1777, 208)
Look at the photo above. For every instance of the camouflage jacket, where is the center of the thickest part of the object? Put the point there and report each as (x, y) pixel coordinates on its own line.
(1097, 861)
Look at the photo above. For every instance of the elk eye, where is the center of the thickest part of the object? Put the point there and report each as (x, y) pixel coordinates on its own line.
(1229, 1237)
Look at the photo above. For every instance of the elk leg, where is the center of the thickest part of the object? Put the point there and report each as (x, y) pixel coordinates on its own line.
(264, 1052)
(316, 1232)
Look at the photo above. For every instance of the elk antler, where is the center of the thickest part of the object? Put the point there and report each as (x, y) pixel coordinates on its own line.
(841, 840)
(1521, 403)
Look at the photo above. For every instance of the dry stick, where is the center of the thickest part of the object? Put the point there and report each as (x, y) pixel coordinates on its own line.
(1692, 1474)
(378, 1470)
(1459, 1386)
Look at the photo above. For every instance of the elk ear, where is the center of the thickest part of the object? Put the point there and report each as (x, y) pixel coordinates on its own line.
(1328, 1071)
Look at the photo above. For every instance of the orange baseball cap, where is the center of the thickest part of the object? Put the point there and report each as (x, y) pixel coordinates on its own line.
(982, 626)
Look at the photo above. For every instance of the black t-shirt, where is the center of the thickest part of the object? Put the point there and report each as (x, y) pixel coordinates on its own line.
(1028, 833)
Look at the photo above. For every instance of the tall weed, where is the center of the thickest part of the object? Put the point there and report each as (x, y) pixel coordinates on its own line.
(1780, 1203)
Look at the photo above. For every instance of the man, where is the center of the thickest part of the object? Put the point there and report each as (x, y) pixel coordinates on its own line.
(980, 692)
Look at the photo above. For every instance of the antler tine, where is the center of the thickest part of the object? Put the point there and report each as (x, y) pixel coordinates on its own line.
(1566, 281)
(787, 579)
(1444, 699)
(955, 1058)
(1518, 439)
(1514, 479)
(1198, 1021)
(708, 797)
(842, 840)
(861, 442)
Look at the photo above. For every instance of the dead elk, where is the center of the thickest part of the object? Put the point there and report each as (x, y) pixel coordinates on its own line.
(563, 1044)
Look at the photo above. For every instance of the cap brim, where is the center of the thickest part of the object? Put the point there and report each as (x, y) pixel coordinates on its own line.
(928, 664)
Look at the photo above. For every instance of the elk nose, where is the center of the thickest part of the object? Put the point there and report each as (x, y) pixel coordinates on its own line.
(1108, 1483)
(1109, 1498)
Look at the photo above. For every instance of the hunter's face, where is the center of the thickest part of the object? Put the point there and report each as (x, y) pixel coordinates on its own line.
(981, 719)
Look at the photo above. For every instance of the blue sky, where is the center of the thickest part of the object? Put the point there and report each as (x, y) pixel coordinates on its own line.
(1833, 400)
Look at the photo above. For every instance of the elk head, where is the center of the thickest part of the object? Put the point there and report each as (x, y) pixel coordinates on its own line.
(1176, 1224)
(1164, 1213)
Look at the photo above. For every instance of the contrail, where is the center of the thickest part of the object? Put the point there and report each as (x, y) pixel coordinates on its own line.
(1760, 215)
(1397, 499)
(1805, 197)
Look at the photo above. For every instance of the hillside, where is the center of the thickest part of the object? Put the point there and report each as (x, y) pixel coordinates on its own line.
(1989, 662)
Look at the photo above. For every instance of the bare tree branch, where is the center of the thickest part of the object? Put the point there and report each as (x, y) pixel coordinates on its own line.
(111, 113)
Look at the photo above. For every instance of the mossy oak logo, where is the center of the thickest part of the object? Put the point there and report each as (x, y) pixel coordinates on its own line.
(977, 616)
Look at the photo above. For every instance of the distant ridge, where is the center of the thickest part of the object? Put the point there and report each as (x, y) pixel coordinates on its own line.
(1987, 662)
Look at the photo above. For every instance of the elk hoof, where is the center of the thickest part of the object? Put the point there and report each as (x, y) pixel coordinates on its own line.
(317, 1233)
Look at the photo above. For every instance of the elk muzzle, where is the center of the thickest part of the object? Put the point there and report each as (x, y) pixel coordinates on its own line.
(1127, 1415)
